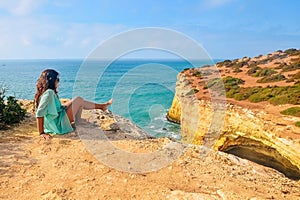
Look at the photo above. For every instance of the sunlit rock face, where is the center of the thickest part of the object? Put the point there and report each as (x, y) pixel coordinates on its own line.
(174, 113)
(254, 134)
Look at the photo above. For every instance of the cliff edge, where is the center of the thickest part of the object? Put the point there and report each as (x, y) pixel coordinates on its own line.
(259, 115)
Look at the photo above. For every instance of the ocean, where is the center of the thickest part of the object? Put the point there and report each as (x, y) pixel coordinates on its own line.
(142, 90)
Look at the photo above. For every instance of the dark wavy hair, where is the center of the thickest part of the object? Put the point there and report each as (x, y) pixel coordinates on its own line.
(45, 82)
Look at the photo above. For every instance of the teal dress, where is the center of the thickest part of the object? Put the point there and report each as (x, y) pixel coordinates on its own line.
(55, 116)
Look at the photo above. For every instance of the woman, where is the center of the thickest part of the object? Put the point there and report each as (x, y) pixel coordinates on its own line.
(52, 116)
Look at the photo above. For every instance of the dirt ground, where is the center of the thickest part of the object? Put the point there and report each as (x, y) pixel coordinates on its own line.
(66, 168)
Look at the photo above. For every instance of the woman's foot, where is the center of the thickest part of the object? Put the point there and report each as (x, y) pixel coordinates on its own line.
(105, 105)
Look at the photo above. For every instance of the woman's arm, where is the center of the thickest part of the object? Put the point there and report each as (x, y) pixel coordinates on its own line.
(40, 126)
(41, 112)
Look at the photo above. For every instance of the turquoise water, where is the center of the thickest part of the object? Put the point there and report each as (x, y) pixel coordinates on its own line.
(142, 90)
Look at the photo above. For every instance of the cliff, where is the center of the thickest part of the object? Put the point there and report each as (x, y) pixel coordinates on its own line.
(251, 124)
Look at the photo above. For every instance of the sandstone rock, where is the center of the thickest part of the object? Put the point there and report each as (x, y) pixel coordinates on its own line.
(257, 134)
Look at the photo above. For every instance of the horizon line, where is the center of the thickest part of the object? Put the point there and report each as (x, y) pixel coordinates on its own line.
(105, 59)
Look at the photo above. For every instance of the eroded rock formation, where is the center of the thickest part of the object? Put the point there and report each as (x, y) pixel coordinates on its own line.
(254, 131)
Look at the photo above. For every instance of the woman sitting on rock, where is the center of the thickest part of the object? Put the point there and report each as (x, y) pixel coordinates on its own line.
(52, 116)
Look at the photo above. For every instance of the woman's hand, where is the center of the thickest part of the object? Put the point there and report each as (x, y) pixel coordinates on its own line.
(45, 136)
(40, 126)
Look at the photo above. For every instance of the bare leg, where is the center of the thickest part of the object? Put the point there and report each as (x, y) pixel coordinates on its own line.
(75, 106)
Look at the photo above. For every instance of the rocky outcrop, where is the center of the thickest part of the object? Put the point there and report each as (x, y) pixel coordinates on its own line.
(174, 114)
(253, 134)
(113, 126)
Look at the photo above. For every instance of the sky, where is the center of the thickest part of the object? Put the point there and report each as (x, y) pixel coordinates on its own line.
(226, 29)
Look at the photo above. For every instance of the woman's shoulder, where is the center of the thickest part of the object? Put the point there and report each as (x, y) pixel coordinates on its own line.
(49, 92)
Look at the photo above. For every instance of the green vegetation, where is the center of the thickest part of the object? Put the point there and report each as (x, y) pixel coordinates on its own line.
(226, 63)
(273, 78)
(228, 83)
(292, 52)
(197, 74)
(281, 66)
(297, 124)
(10, 110)
(264, 72)
(252, 64)
(291, 67)
(294, 77)
(276, 95)
(269, 75)
(256, 71)
(295, 65)
(192, 91)
(237, 70)
(235, 65)
(293, 111)
(295, 60)
(264, 61)
(253, 70)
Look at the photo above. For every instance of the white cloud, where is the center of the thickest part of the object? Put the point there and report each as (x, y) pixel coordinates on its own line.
(21, 7)
(44, 38)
